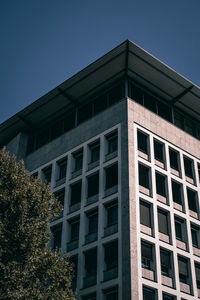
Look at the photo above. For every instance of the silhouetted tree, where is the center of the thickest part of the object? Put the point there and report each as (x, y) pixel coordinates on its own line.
(27, 269)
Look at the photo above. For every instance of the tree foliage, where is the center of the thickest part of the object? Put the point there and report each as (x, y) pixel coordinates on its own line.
(27, 269)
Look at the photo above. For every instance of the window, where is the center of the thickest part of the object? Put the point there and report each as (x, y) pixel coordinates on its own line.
(198, 166)
(85, 112)
(197, 272)
(76, 193)
(112, 214)
(168, 297)
(179, 223)
(148, 294)
(95, 152)
(192, 200)
(42, 137)
(177, 192)
(147, 255)
(112, 142)
(111, 255)
(91, 262)
(143, 142)
(111, 218)
(165, 260)
(159, 151)
(111, 176)
(111, 294)
(183, 269)
(78, 160)
(57, 234)
(164, 111)
(93, 185)
(136, 93)
(62, 169)
(150, 102)
(174, 159)
(89, 297)
(100, 103)
(47, 174)
(145, 214)
(161, 185)
(57, 129)
(90, 268)
(115, 94)
(144, 178)
(195, 235)
(92, 222)
(163, 222)
(74, 226)
(188, 165)
(69, 121)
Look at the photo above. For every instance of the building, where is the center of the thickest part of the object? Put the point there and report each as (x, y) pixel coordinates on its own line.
(119, 144)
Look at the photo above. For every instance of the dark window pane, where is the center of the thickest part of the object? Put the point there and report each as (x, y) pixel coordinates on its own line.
(111, 255)
(57, 129)
(160, 185)
(168, 297)
(148, 294)
(93, 223)
(95, 152)
(183, 269)
(150, 102)
(75, 230)
(178, 230)
(136, 93)
(192, 203)
(165, 258)
(159, 151)
(177, 192)
(62, 169)
(144, 176)
(164, 111)
(84, 112)
(115, 94)
(100, 103)
(178, 120)
(43, 137)
(91, 262)
(142, 142)
(112, 142)
(76, 193)
(93, 185)
(112, 215)
(194, 233)
(188, 167)
(145, 216)
(111, 176)
(174, 159)
(163, 222)
(69, 121)
(78, 158)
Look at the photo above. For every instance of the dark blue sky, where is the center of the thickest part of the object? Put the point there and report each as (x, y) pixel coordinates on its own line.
(44, 42)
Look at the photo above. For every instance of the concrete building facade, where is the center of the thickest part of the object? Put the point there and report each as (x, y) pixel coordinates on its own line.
(119, 144)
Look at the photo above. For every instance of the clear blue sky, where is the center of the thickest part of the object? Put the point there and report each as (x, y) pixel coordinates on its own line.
(44, 42)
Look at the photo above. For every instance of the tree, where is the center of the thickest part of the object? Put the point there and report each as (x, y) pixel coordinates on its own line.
(28, 270)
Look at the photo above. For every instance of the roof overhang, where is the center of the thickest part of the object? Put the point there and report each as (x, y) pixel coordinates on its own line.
(127, 59)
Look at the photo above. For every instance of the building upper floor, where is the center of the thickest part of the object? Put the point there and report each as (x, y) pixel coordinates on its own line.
(126, 71)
